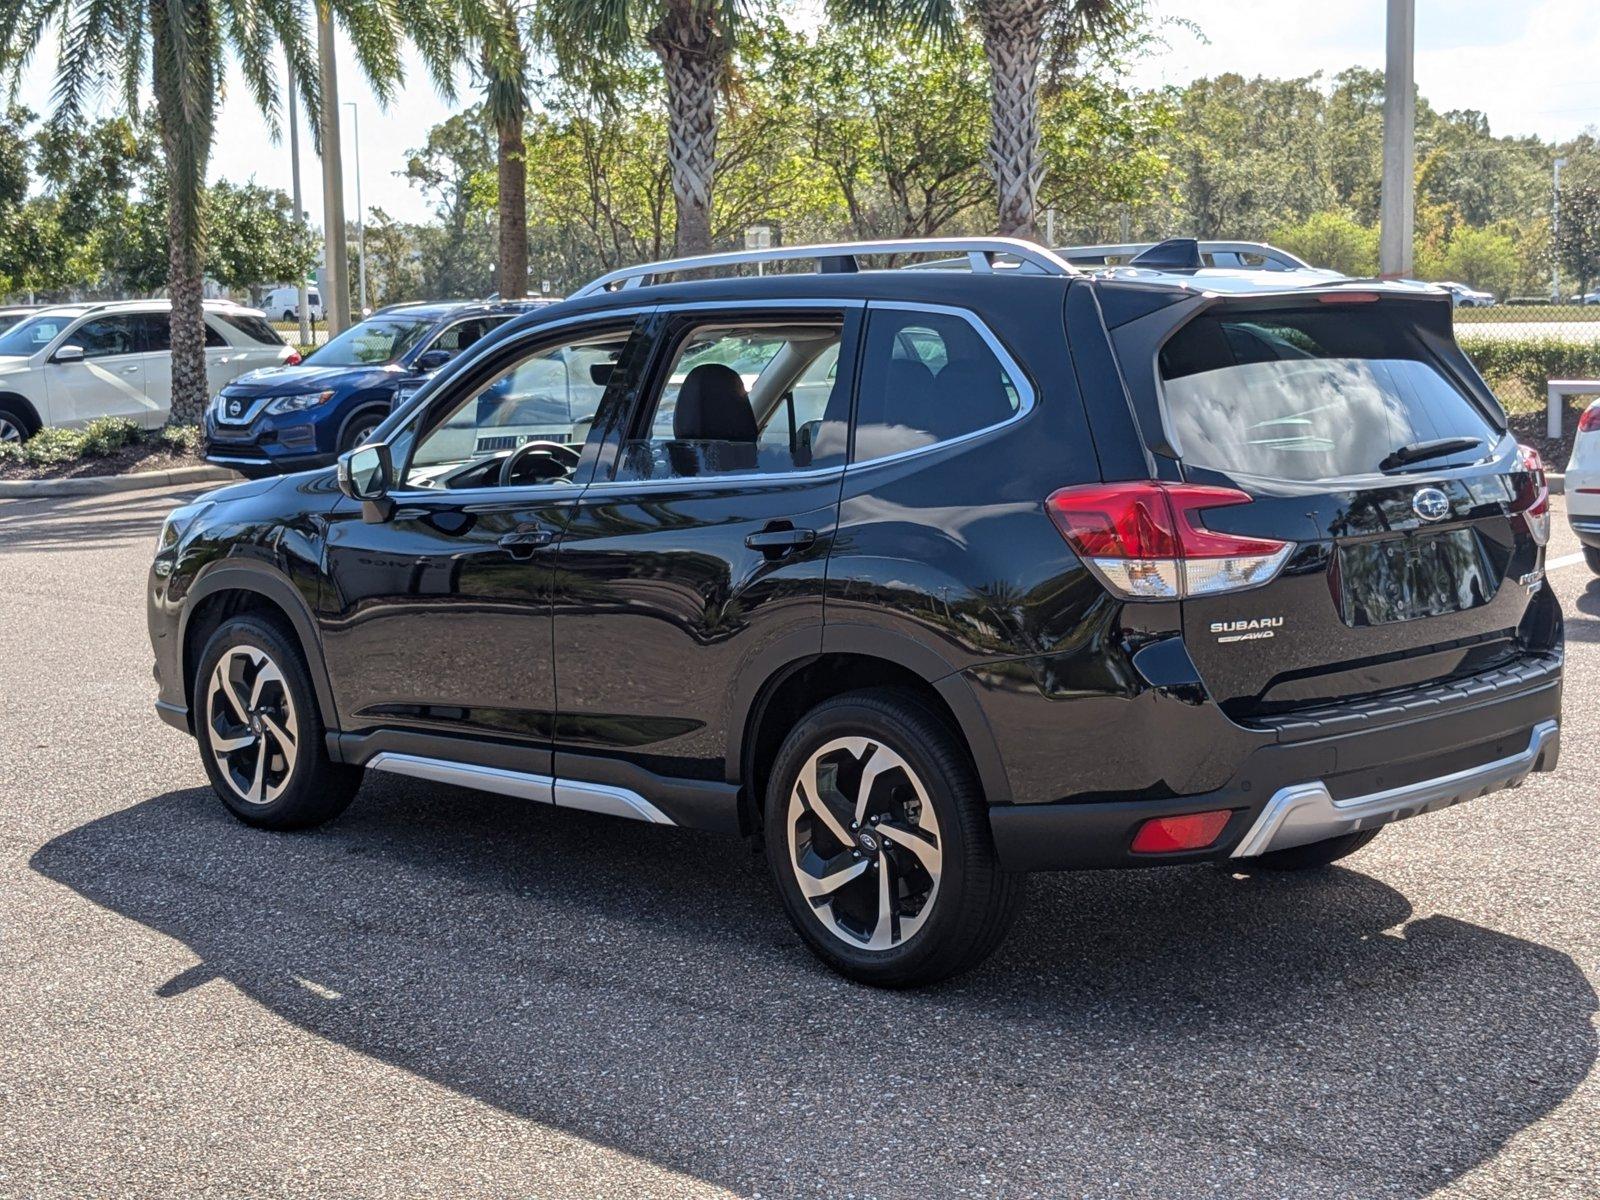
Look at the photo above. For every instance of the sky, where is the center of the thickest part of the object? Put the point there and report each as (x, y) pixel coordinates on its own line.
(1530, 65)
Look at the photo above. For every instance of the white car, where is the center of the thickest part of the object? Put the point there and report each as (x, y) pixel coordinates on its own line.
(68, 365)
(1583, 485)
(283, 303)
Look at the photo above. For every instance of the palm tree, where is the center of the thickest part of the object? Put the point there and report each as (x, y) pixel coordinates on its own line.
(694, 40)
(504, 65)
(184, 47)
(1016, 36)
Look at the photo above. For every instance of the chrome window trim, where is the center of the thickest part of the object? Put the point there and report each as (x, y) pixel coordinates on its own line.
(705, 482)
(1026, 395)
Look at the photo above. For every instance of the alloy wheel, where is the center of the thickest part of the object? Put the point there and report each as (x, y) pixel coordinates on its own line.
(254, 732)
(10, 431)
(864, 843)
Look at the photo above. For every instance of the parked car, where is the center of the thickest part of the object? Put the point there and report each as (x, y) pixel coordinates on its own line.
(16, 314)
(1463, 296)
(1583, 485)
(925, 579)
(297, 417)
(1588, 298)
(1214, 255)
(284, 303)
(70, 364)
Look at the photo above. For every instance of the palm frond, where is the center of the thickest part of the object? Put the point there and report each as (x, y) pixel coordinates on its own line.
(939, 20)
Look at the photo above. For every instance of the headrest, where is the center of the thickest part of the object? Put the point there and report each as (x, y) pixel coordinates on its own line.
(713, 406)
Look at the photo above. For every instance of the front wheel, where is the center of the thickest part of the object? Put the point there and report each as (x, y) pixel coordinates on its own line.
(260, 732)
(878, 836)
(360, 429)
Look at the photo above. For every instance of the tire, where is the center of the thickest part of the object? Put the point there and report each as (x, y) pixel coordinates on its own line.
(16, 426)
(931, 843)
(1591, 555)
(1308, 857)
(290, 316)
(266, 706)
(360, 428)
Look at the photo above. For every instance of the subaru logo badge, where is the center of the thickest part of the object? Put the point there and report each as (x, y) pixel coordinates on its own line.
(1431, 504)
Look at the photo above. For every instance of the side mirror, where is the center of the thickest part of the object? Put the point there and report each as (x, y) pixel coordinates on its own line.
(432, 361)
(365, 474)
(68, 354)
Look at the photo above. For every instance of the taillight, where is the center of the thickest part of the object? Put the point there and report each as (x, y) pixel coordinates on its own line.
(1146, 541)
(1590, 421)
(1533, 494)
(293, 360)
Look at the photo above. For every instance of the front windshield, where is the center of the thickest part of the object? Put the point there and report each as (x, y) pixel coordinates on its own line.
(372, 343)
(30, 337)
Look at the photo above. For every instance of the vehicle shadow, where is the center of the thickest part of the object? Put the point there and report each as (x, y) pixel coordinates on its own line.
(639, 987)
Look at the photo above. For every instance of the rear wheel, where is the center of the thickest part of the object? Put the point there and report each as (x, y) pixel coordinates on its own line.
(1308, 857)
(260, 733)
(878, 836)
(1591, 555)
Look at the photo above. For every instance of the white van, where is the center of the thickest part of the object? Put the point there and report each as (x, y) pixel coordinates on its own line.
(283, 303)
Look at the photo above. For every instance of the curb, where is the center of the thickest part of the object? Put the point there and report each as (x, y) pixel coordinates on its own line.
(103, 485)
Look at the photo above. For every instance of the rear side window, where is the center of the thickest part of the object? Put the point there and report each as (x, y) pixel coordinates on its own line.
(927, 378)
(254, 328)
(1310, 394)
(158, 333)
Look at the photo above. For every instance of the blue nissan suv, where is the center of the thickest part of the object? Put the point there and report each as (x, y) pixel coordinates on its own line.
(294, 418)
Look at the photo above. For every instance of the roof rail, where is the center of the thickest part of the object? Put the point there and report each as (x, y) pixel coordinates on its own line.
(839, 258)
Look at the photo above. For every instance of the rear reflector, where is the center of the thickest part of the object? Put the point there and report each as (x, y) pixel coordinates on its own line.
(1590, 421)
(1192, 831)
(1145, 540)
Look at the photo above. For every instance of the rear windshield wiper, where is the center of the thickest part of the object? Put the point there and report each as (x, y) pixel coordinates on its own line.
(1421, 451)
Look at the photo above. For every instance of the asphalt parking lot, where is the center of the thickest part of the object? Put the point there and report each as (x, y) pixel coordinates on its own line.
(454, 994)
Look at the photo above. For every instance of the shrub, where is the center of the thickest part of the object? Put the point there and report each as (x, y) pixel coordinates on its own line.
(51, 446)
(1519, 368)
(181, 439)
(12, 452)
(107, 435)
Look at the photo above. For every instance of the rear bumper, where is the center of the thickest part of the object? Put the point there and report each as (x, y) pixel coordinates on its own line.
(1333, 777)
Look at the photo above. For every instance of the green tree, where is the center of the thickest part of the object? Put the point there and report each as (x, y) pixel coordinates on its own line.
(1017, 37)
(256, 238)
(694, 41)
(1578, 242)
(182, 47)
(455, 170)
(1334, 240)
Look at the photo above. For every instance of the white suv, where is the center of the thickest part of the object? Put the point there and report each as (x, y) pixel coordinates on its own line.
(71, 364)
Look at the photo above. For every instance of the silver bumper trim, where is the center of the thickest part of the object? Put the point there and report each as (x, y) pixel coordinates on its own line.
(1307, 812)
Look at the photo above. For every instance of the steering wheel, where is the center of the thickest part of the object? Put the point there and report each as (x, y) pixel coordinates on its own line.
(565, 458)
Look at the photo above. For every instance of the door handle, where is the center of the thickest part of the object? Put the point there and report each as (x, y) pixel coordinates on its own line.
(524, 542)
(777, 540)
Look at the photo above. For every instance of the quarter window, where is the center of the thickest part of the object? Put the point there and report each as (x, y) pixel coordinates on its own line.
(928, 378)
(743, 398)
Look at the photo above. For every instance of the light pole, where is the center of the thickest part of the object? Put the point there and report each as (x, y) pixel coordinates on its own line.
(1555, 238)
(1397, 237)
(361, 213)
(299, 209)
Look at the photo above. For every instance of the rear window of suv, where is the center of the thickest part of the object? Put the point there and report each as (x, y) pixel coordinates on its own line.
(1305, 395)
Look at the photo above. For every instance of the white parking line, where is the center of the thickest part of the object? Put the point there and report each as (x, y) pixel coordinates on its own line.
(1566, 560)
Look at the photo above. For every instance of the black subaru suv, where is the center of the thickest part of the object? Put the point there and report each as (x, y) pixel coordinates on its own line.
(926, 579)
